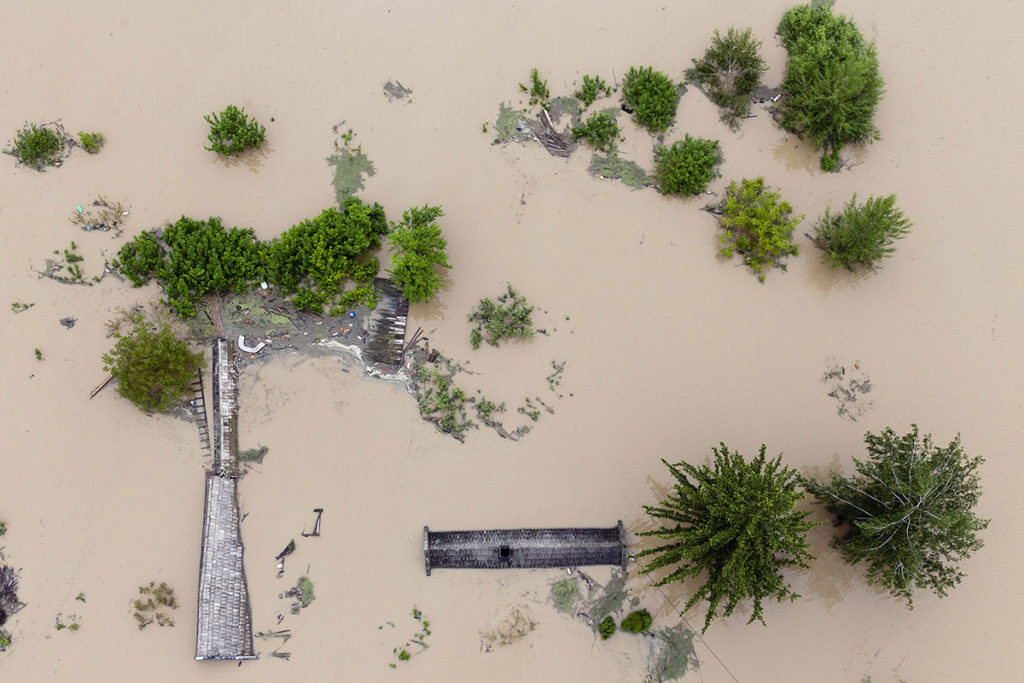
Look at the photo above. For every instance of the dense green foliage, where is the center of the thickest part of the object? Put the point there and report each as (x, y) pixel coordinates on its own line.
(652, 97)
(140, 258)
(687, 166)
(153, 368)
(37, 146)
(232, 131)
(600, 130)
(735, 522)
(443, 403)
(510, 317)
(204, 257)
(757, 225)
(417, 249)
(909, 511)
(539, 93)
(861, 234)
(91, 142)
(832, 83)
(591, 90)
(606, 628)
(637, 621)
(730, 71)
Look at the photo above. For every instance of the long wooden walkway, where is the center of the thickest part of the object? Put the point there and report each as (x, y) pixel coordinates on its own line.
(224, 626)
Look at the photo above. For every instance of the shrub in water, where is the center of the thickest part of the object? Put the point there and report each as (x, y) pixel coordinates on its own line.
(652, 97)
(686, 167)
(606, 628)
(232, 131)
(637, 622)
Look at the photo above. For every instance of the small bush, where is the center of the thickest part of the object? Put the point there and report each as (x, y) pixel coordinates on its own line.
(686, 167)
(37, 146)
(139, 259)
(638, 621)
(756, 224)
(830, 162)
(539, 93)
(652, 97)
(510, 317)
(91, 142)
(232, 131)
(591, 90)
(861, 234)
(600, 130)
(731, 71)
(606, 628)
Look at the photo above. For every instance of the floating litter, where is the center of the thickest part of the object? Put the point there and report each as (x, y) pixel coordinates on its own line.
(351, 314)
(78, 209)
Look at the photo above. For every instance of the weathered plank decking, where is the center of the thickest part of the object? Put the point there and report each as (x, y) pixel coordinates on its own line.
(387, 324)
(224, 625)
(524, 548)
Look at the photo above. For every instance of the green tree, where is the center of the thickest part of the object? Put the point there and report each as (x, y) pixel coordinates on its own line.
(591, 90)
(600, 130)
(687, 166)
(606, 628)
(756, 224)
(417, 249)
(861, 234)
(37, 146)
(637, 621)
(730, 71)
(737, 523)
(153, 368)
(652, 97)
(909, 511)
(832, 84)
(140, 259)
(232, 131)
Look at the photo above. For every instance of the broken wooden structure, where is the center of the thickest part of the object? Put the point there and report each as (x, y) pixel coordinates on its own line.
(386, 343)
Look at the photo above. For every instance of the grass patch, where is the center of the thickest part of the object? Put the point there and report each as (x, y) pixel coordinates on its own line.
(564, 594)
(253, 454)
(616, 168)
(91, 142)
(351, 166)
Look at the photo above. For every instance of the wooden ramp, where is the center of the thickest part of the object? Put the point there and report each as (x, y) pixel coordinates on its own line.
(224, 625)
(524, 548)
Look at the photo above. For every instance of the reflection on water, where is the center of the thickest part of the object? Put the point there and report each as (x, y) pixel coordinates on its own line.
(251, 159)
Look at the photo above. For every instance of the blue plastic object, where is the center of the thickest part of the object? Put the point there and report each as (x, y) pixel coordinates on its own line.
(351, 314)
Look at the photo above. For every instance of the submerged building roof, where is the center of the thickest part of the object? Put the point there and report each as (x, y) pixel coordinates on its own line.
(524, 548)
(387, 324)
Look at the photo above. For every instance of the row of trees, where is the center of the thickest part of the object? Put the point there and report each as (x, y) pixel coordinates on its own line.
(312, 261)
(907, 512)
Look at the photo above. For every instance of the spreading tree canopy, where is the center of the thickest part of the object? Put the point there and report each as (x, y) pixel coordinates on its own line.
(652, 97)
(861, 234)
(757, 224)
(737, 524)
(832, 83)
(730, 71)
(154, 369)
(687, 166)
(417, 248)
(910, 511)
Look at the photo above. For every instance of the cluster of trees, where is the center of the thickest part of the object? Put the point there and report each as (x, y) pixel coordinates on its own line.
(908, 513)
(311, 261)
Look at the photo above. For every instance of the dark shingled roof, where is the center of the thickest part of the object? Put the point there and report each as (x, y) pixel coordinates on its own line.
(524, 548)
(387, 324)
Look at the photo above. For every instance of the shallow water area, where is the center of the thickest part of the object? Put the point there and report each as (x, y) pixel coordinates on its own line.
(668, 350)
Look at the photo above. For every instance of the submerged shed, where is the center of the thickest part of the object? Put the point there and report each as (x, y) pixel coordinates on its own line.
(387, 324)
(524, 548)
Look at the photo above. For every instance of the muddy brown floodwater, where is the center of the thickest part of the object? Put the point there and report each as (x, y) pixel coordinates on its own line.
(668, 350)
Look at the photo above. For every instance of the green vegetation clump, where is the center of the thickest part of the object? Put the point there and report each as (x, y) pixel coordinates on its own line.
(637, 621)
(830, 162)
(305, 591)
(600, 130)
(687, 166)
(441, 402)
(832, 84)
(564, 594)
(652, 98)
(606, 628)
(539, 93)
(139, 259)
(91, 142)
(908, 511)
(255, 455)
(37, 146)
(154, 369)
(3, 527)
(417, 250)
(616, 168)
(233, 131)
(737, 524)
(730, 71)
(153, 605)
(756, 224)
(511, 317)
(350, 166)
(591, 90)
(861, 234)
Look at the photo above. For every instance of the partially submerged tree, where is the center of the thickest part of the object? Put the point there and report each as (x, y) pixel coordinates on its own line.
(154, 369)
(417, 250)
(600, 129)
(39, 146)
(832, 83)
(232, 131)
(909, 511)
(687, 166)
(510, 317)
(730, 71)
(860, 234)
(757, 225)
(737, 524)
(651, 97)
(139, 259)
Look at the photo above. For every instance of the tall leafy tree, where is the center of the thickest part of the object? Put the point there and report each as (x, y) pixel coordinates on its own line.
(417, 250)
(730, 71)
(736, 522)
(861, 234)
(909, 511)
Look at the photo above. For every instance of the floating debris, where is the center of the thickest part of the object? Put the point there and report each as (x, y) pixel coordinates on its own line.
(848, 383)
(396, 91)
(515, 626)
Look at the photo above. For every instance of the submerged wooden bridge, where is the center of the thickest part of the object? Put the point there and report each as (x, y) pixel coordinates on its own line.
(524, 548)
(224, 627)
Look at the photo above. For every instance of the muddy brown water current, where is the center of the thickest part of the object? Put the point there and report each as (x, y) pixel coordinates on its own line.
(668, 350)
